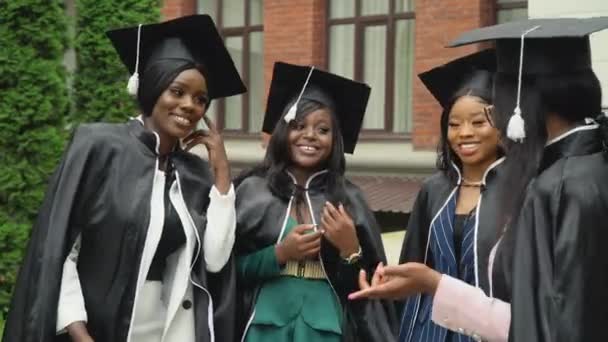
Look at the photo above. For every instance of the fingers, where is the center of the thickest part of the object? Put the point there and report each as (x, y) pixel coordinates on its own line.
(377, 277)
(325, 224)
(402, 270)
(343, 211)
(210, 124)
(327, 217)
(196, 138)
(332, 211)
(312, 238)
(303, 228)
(369, 292)
(196, 134)
(191, 144)
(363, 284)
(312, 252)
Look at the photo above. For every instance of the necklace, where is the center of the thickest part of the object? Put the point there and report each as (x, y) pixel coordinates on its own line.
(472, 184)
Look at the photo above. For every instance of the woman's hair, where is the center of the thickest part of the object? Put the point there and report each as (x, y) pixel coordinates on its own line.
(445, 154)
(157, 77)
(278, 157)
(573, 97)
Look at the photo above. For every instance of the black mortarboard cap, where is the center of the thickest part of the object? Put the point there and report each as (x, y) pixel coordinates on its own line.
(193, 38)
(557, 45)
(473, 71)
(537, 47)
(347, 98)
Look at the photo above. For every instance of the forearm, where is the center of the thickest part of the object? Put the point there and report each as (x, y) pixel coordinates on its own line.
(70, 307)
(220, 231)
(260, 265)
(466, 309)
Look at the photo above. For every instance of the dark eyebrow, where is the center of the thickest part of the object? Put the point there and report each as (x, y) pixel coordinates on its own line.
(179, 83)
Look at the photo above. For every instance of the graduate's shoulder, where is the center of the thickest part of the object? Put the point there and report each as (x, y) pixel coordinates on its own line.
(436, 183)
(251, 184)
(100, 134)
(353, 189)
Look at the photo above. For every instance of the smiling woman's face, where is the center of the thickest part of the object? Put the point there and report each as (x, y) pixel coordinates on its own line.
(310, 140)
(471, 136)
(180, 107)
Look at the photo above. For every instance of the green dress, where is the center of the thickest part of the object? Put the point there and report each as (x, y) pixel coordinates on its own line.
(289, 308)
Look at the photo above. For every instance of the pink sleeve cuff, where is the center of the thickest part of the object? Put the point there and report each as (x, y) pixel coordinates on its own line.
(466, 309)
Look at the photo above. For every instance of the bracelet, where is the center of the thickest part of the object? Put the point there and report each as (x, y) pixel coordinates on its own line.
(353, 258)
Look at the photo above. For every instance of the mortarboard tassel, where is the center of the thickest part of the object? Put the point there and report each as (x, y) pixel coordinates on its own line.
(516, 129)
(291, 113)
(133, 84)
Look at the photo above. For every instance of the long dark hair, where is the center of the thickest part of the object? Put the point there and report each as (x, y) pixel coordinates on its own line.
(278, 157)
(445, 155)
(572, 96)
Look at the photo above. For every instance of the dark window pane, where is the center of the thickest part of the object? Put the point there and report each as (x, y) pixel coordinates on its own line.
(404, 6)
(374, 7)
(404, 70)
(374, 74)
(342, 50)
(515, 14)
(233, 13)
(234, 104)
(256, 81)
(208, 7)
(341, 9)
(256, 12)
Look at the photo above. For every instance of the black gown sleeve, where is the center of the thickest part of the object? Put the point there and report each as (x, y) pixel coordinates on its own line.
(375, 320)
(559, 266)
(416, 236)
(33, 309)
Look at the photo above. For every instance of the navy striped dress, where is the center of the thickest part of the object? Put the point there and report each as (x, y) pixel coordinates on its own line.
(416, 323)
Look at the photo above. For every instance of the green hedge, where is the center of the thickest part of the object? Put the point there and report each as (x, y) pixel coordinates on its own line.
(33, 107)
(101, 79)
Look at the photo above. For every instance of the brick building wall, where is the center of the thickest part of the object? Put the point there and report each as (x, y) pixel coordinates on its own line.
(437, 23)
(296, 31)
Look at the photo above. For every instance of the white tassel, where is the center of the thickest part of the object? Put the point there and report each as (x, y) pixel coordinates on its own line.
(133, 84)
(516, 129)
(291, 113)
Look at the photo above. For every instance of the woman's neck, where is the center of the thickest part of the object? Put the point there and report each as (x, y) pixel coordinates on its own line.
(475, 173)
(301, 175)
(166, 142)
(557, 126)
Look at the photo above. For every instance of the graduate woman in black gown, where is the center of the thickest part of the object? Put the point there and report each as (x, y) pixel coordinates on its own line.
(559, 162)
(133, 239)
(452, 228)
(303, 230)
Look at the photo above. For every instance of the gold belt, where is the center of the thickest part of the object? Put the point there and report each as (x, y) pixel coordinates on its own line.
(309, 269)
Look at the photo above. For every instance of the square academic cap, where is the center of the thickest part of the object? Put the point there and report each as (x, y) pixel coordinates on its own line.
(347, 98)
(537, 47)
(193, 38)
(552, 45)
(473, 71)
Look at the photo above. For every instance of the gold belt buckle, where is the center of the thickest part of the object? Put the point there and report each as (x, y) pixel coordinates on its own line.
(301, 269)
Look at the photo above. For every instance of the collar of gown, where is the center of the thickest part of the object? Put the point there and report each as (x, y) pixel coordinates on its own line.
(578, 141)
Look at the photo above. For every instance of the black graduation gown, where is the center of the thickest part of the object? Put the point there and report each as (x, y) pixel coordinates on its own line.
(560, 266)
(433, 195)
(259, 218)
(102, 190)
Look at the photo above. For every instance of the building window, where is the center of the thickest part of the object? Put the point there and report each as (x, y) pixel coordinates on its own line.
(240, 23)
(373, 42)
(511, 10)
